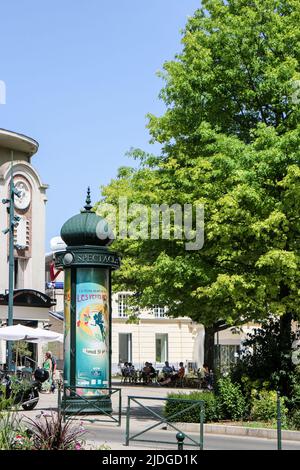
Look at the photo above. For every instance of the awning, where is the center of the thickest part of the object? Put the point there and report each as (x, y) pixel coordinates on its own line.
(28, 298)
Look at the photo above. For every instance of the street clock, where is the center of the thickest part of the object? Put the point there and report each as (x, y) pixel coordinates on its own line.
(23, 201)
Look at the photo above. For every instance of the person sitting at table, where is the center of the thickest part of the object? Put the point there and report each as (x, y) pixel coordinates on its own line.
(125, 370)
(146, 373)
(124, 367)
(206, 377)
(131, 372)
(167, 370)
(152, 372)
(172, 378)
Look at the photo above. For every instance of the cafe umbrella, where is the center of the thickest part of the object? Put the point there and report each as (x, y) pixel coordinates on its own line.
(31, 335)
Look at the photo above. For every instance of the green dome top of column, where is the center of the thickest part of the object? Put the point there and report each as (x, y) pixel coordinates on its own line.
(86, 228)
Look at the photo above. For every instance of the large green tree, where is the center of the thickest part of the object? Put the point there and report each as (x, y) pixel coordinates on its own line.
(230, 140)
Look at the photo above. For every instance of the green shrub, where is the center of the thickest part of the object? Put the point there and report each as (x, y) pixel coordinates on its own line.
(193, 415)
(264, 407)
(294, 420)
(7, 403)
(294, 400)
(231, 403)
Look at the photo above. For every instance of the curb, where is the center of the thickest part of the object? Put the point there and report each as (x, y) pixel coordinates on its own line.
(238, 431)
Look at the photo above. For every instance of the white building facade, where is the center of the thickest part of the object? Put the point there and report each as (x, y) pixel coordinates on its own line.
(154, 337)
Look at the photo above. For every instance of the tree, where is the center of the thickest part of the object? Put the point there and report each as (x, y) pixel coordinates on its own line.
(21, 349)
(261, 364)
(238, 68)
(230, 140)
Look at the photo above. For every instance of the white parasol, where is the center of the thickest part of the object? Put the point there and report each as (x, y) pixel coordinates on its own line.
(32, 335)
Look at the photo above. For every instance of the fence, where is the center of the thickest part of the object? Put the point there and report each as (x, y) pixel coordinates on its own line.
(71, 403)
(166, 420)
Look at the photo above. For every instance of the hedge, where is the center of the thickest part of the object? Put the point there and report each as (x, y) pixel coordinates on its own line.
(193, 415)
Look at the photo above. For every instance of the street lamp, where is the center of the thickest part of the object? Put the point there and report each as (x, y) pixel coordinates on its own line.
(13, 222)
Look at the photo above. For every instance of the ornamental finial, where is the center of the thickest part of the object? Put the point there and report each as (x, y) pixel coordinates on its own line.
(88, 205)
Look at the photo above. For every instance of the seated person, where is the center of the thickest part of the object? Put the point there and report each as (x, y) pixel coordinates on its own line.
(181, 370)
(174, 377)
(131, 367)
(206, 376)
(131, 372)
(146, 373)
(167, 369)
(152, 372)
(125, 369)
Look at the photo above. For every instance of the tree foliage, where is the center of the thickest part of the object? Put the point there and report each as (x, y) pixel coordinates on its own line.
(263, 363)
(229, 140)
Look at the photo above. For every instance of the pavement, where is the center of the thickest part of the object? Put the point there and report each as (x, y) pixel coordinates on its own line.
(108, 435)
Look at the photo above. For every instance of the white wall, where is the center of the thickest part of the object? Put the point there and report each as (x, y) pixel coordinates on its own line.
(181, 334)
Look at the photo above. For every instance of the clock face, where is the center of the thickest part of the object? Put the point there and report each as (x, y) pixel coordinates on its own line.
(23, 201)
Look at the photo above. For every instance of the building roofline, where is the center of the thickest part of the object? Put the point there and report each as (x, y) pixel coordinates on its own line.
(16, 141)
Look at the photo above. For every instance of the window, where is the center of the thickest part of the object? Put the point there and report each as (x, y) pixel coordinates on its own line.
(122, 305)
(125, 347)
(159, 312)
(161, 347)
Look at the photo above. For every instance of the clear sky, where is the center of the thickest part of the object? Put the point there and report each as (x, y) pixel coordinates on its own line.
(80, 77)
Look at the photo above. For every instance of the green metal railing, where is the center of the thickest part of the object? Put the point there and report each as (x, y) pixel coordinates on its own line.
(98, 403)
(167, 420)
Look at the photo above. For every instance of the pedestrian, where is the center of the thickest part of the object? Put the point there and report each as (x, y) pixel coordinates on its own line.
(47, 365)
(54, 365)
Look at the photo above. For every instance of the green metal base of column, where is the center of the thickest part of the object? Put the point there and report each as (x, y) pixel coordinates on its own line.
(87, 405)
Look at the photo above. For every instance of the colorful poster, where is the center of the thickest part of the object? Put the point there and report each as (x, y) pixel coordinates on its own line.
(67, 326)
(92, 330)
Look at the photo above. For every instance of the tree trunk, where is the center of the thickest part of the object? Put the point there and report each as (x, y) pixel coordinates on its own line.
(286, 364)
(209, 342)
(285, 342)
(286, 336)
(209, 346)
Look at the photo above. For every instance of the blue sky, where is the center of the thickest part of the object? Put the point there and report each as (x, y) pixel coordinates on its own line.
(80, 78)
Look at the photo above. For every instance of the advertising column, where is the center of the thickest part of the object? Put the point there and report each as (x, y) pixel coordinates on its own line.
(92, 330)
